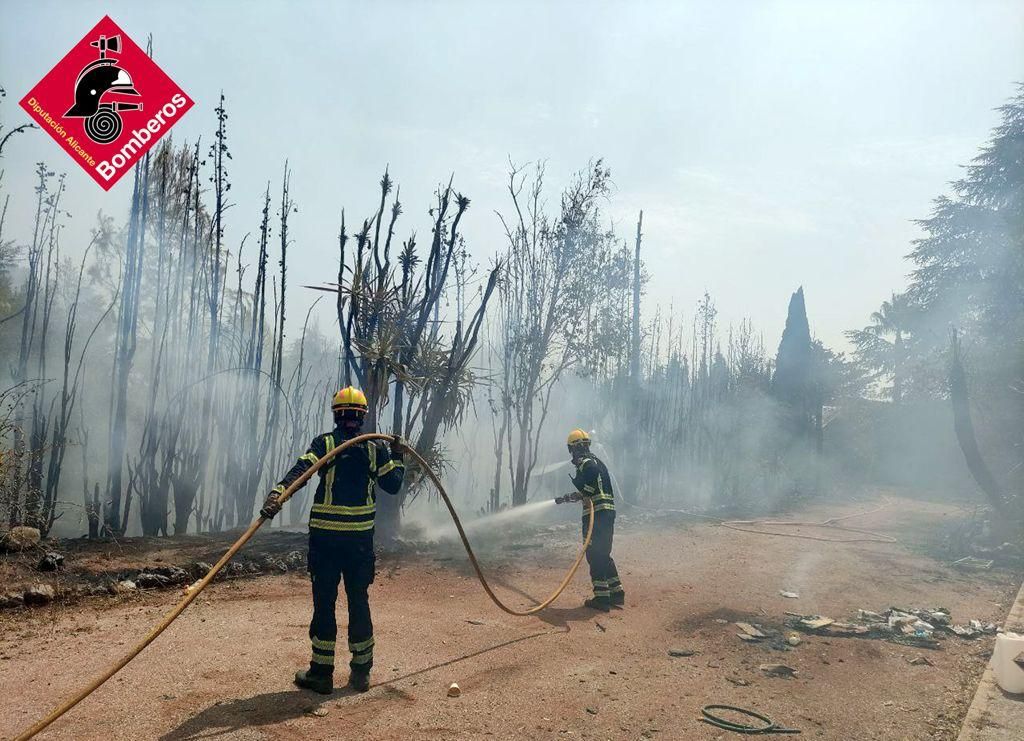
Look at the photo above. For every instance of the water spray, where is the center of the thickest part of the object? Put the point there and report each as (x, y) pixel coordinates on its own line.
(489, 521)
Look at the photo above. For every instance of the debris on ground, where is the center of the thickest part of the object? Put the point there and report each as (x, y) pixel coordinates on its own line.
(778, 670)
(454, 690)
(681, 652)
(789, 595)
(974, 629)
(199, 569)
(793, 640)
(51, 561)
(475, 622)
(85, 580)
(738, 681)
(161, 576)
(816, 622)
(192, 587)
(758, 633)
(1005, 554)
(907, 626)
(39, 594)
(970, 563)
(271, 563)
(20, 538)
(919, 661)
(12, 599)
(750, 631)
(317, 712)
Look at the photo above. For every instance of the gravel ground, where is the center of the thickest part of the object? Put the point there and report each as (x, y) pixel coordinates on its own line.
(224, 668)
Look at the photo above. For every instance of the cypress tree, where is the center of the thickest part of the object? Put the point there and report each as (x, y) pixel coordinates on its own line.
(794, 382)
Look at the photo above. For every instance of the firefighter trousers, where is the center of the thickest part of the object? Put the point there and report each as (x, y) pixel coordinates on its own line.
(603, 574)
(336, 557)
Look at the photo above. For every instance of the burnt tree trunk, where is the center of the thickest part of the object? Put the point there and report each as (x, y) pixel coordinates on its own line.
(964, 428)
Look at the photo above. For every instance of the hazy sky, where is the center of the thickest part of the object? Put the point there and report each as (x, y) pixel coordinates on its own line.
(770, 144)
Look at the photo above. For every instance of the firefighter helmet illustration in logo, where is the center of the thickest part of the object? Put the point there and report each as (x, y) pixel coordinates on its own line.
(105, 78)
(96, 81)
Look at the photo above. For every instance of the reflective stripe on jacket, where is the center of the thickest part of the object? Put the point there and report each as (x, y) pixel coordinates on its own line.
(345, 499)
(594, 482)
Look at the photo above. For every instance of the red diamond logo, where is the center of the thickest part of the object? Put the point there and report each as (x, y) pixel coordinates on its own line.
(106, 103)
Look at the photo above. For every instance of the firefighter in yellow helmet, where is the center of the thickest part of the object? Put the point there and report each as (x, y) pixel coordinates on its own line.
(593, 482)
(341, 524)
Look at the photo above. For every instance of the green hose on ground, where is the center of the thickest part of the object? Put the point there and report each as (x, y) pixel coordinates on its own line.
(729, 725)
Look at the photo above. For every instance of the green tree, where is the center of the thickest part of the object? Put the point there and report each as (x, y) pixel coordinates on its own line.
(968, 277)
(881, 346)
(969, 269)
(794, 383)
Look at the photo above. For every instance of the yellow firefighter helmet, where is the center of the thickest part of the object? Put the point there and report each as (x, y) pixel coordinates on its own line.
(349, 398)
(577, 437)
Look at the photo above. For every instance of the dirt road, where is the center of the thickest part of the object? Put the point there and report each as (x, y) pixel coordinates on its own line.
(224, 669)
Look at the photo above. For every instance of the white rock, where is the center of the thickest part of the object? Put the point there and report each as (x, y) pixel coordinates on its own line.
(39, 594)
(21, 538)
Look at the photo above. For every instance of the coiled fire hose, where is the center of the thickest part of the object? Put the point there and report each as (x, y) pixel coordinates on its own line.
(718, 721)
(194, 591)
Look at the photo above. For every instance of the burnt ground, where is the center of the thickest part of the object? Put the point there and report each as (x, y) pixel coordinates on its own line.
(224, 668)
(93, 567)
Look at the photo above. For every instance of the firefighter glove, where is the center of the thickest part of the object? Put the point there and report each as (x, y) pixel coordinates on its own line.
(271, 506)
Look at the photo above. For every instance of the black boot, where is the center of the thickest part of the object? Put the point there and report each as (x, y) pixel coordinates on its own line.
(322, 683)
(618, 599)
(598, 603)
(359, 681)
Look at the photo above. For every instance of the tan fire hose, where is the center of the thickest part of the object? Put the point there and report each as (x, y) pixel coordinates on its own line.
(195, 589)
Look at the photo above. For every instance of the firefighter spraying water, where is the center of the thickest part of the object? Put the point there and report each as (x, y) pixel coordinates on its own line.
(594, 486)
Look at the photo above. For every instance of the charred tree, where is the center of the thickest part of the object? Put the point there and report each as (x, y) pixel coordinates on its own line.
(964, 428)
(116, 517)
